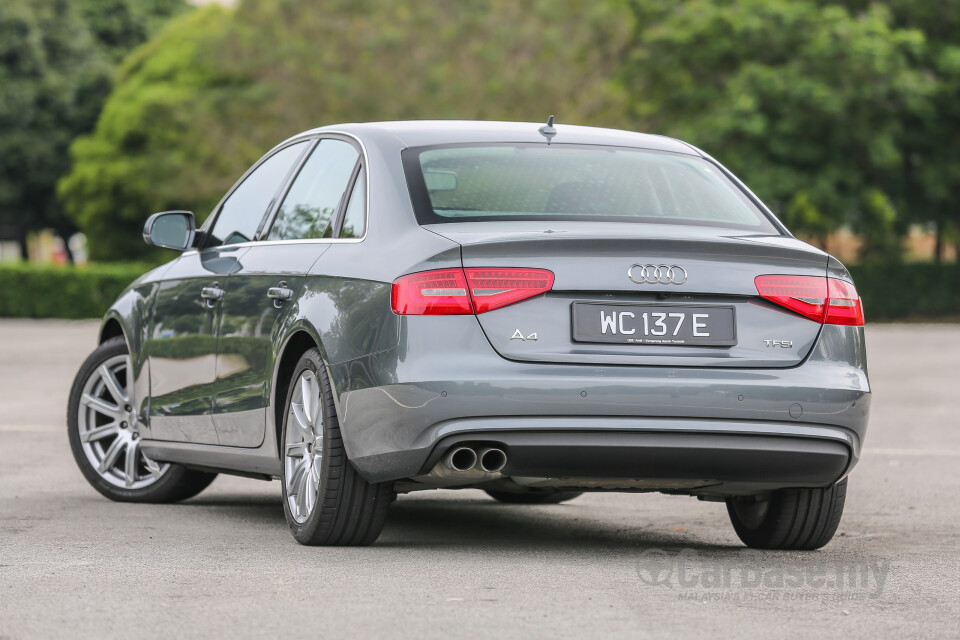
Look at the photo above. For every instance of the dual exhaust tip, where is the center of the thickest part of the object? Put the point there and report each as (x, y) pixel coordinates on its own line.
(488, 459)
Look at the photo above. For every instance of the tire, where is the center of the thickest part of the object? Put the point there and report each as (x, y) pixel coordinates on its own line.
(325, 500)
(796, 519)
(104, 437)
(533, 496)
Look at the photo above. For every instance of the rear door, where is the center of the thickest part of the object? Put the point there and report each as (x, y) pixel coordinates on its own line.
(263, 292)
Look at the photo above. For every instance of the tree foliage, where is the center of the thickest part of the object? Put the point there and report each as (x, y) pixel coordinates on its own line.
(930, 178)
(834, 111)
(55, 71)
(50, 80)
(219, 87)
(808, 102)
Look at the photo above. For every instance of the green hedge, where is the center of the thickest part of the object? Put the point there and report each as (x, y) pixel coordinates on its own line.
(30, 291)
(889, 291)
(918, 291)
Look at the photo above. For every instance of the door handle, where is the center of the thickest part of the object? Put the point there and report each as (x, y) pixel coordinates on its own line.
(280, 293)
(212, 294)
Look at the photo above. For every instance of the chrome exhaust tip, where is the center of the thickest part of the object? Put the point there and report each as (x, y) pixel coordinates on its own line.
(492, 460)
(460, 459)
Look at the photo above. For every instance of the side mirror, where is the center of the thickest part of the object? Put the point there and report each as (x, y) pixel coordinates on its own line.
(170, 230)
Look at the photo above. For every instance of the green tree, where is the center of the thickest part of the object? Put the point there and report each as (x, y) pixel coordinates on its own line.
(55, 71)
(930, 176)
(121, 25)
(809, 102)
(218, 87)
(51, 77)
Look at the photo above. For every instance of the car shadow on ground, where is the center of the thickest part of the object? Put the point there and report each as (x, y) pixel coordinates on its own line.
(466, 525)
(418, 523)
(471, 524)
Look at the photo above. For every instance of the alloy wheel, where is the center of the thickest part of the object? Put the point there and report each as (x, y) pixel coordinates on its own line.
(303, 449)
(109, 431)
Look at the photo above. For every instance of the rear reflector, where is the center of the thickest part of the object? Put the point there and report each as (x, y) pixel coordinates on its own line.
(463, 291)
(824, 300)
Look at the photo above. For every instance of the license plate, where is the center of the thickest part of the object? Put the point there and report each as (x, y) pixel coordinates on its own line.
(660, 324)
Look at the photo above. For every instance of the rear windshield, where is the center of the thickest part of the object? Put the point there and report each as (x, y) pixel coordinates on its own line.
(574, 182)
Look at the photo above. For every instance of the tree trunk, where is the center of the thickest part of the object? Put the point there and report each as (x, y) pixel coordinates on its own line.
(65, 230)
(938, 244)
(22, 241)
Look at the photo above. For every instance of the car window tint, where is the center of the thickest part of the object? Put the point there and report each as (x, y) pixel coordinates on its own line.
(242, 212)
(309, 207)
(354, 221)
(499, 182)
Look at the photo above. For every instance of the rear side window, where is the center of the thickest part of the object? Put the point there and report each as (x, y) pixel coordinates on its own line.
(354, 220)
(310, 206)
(242, 212)
(574, 182)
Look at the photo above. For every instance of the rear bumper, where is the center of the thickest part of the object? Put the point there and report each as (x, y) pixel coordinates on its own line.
(744, 429)
(702, 456)
(681, 461)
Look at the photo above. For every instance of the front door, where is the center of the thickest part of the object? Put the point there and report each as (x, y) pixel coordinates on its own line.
(181, 345)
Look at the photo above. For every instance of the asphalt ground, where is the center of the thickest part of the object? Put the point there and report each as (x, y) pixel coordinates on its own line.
(457, 564)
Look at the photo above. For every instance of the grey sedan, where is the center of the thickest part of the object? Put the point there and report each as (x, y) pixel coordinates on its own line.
(532, 310)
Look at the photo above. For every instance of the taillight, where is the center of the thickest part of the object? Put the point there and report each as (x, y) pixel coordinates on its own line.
(843, 304)
(824, 300)
(441, 292)
(495, 288)
(463, 291)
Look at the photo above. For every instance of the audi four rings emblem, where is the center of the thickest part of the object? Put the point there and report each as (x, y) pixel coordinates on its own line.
(657, 274)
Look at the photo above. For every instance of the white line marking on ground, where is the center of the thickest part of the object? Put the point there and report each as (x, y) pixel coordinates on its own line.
(911, 452)
(30, 428)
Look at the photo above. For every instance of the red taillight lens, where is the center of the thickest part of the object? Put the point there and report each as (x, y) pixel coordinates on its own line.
(463, 291)
(805, 295)
(441, 292)
(844, 304)
(495, 288)
(824, 300)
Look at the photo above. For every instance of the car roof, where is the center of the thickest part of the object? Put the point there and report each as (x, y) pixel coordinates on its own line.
(418, 133)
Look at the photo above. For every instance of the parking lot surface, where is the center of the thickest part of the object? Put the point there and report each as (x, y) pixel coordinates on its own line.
(458, 564)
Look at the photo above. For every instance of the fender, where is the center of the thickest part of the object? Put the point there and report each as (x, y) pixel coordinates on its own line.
(131, 316)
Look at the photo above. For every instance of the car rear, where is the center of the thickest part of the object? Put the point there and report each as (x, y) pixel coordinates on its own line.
(619, 319)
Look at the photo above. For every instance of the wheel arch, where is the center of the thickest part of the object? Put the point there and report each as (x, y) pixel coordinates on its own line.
(111, 328)
(300, 338)
(130, 314)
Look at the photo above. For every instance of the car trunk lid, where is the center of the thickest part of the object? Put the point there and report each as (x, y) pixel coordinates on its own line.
(605, 270)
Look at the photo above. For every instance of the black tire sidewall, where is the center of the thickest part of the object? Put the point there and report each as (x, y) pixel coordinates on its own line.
(791, 523)
(349, 510)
